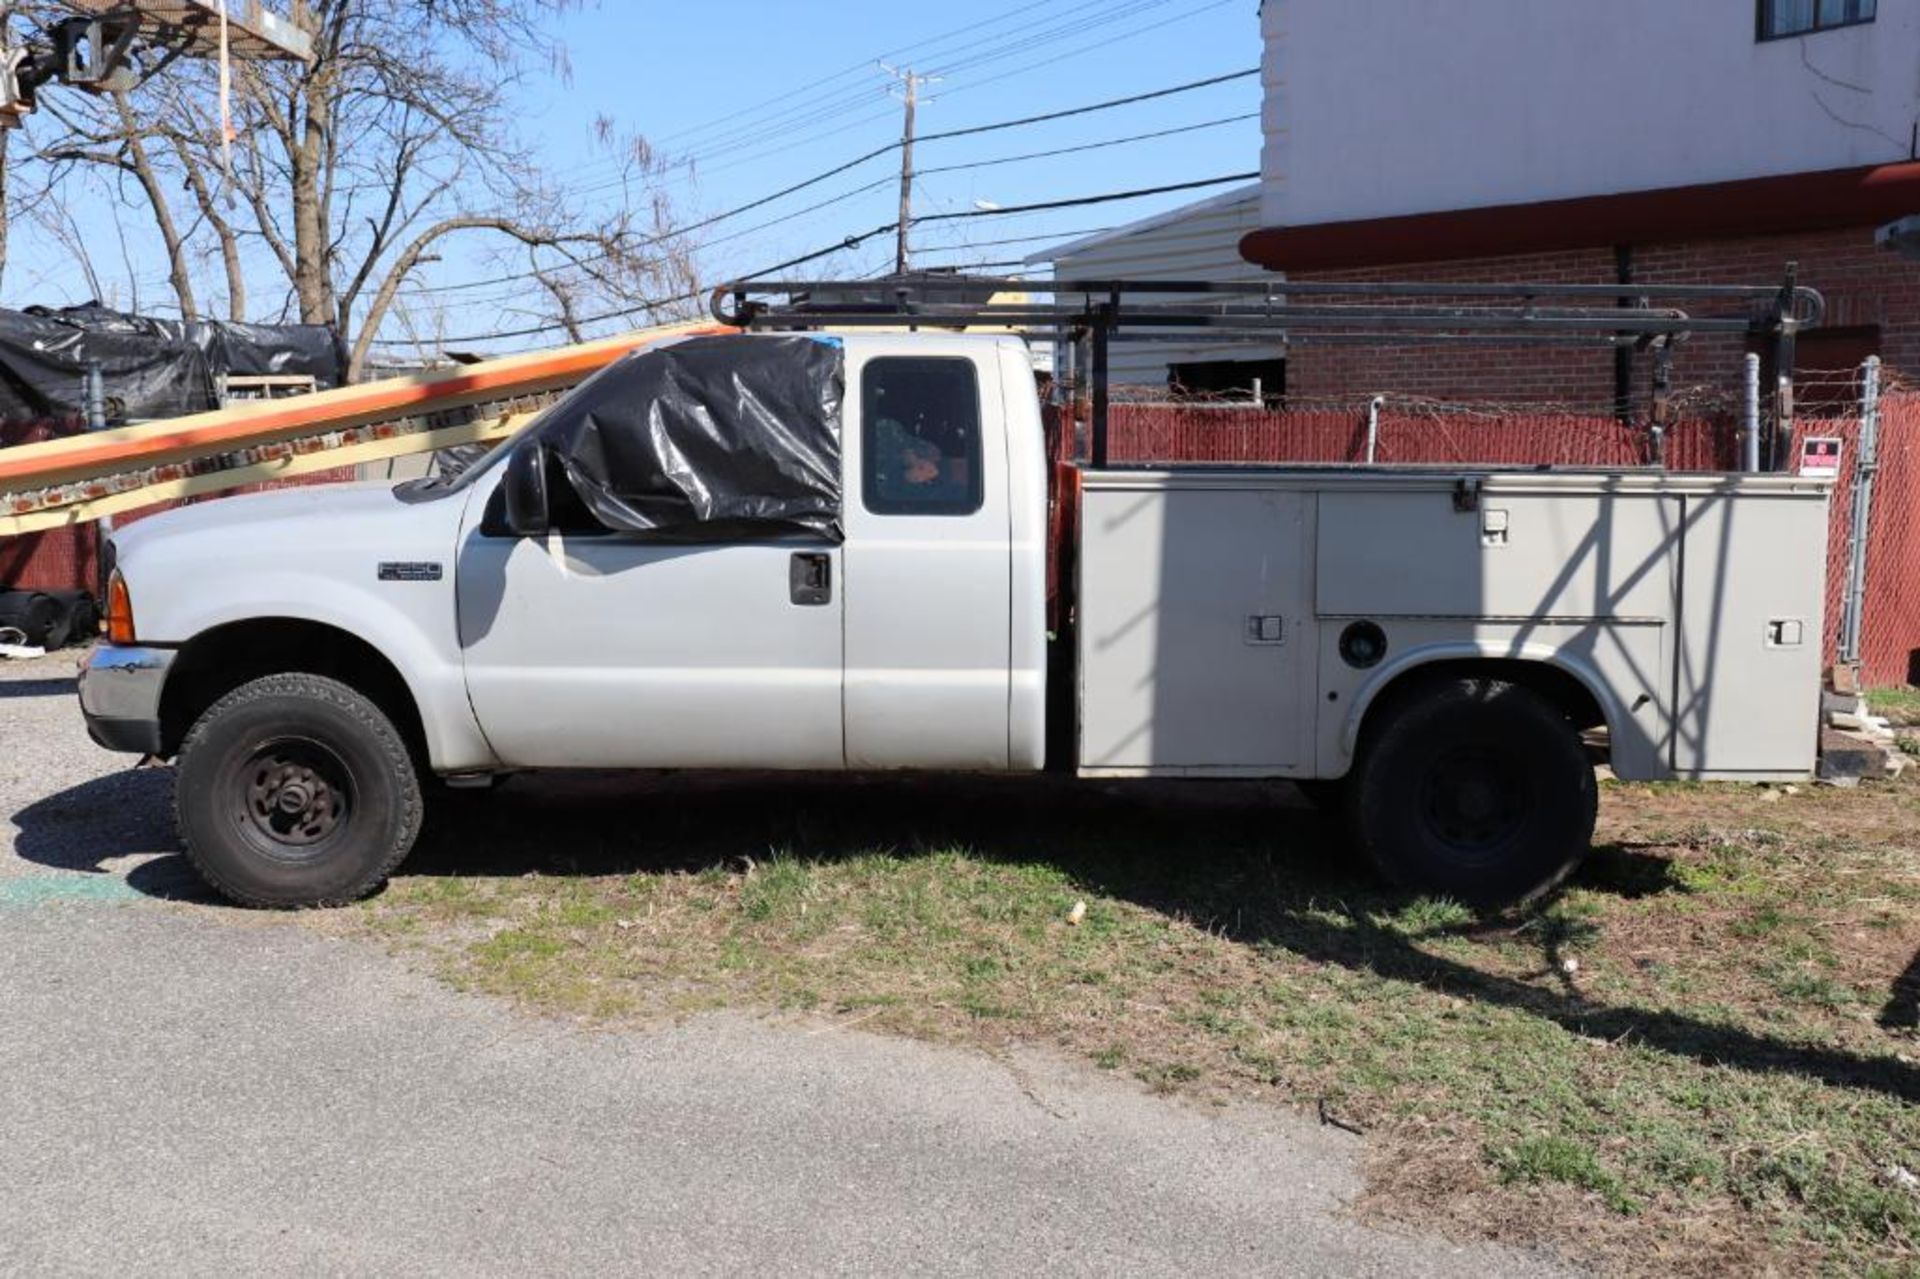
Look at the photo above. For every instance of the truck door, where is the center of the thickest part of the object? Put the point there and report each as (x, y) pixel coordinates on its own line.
(928, 563)
(590, 649)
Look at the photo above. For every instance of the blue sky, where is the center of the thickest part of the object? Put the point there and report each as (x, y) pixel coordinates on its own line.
(669, 75)
(760, 94)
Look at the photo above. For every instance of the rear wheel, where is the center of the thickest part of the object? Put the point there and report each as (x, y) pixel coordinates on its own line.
(296, 790)
(1475, 789)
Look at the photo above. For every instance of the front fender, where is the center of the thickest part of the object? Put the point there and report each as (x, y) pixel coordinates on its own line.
(410, 623)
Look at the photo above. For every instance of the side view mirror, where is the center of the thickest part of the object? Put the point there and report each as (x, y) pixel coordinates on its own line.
(528, 512)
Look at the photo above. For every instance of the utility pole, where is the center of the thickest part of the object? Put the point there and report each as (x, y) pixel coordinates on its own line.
(910, 94)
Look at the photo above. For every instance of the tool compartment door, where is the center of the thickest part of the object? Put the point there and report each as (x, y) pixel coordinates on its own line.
(1752, 620)
(1195, 634)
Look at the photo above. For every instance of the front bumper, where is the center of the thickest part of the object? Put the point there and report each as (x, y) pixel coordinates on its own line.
(120, 696)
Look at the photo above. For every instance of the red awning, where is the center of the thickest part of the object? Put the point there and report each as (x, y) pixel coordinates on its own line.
(1794, 202)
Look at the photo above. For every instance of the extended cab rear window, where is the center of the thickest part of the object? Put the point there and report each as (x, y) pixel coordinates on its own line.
(920, 436)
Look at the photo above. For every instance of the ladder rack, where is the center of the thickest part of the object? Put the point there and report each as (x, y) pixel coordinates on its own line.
(1303, 313)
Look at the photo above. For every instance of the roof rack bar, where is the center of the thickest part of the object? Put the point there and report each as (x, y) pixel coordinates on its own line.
(1278, 322)
(1278, 289)
(1263, 304)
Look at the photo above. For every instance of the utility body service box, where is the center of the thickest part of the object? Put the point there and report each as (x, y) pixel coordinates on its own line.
(1212, 605)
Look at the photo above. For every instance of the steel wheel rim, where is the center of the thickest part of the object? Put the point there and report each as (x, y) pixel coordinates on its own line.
(293, 796)
(1474, 799)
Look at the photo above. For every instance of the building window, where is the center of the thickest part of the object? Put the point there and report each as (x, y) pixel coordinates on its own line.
(1265, 380)
(1781, 18)
(920, 433)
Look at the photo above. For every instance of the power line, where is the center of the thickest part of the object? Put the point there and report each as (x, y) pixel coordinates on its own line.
(781, 99)
(414, 295)
(796, 113)
(1080, 201)
(998, 126)
(639, 308)
(875, 154)
(488, 282)
(1093, 146)
(1028, 41)
(849, 243)
(1020, 239)
(799, 119)
(1055, 55)
(985, 266)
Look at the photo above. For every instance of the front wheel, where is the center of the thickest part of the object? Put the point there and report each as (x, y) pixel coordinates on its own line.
(1475, 789)
(296, 790)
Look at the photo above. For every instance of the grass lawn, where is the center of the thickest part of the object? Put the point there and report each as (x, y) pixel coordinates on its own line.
(1899, 703)
(1700, 1057)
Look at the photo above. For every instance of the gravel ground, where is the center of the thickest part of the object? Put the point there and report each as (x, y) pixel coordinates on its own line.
(187, 1087)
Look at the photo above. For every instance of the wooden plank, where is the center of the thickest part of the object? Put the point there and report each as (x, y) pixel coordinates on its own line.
(129, 448)
(261, 473)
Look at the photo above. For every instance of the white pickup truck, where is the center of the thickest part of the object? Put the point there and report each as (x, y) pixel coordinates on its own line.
(631, 584)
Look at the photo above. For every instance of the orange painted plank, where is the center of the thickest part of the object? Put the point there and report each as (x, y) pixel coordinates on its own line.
(222, 430)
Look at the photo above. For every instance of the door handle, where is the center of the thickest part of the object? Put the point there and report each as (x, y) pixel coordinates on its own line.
(810, 578)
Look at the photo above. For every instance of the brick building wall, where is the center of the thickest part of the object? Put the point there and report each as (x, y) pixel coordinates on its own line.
(1867, 288)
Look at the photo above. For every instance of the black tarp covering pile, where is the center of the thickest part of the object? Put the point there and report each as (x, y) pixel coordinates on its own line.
(152, 368)
(718, 437)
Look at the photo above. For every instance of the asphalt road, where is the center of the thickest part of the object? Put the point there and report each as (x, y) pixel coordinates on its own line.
(187, 1088)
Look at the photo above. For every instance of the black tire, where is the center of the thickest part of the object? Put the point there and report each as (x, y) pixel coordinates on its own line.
(1327, 794)
(35, 615)
(1474, 789)
(296, 791)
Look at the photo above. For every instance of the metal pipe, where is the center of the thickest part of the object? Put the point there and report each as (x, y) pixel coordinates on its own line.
(1298, 288)
(1221, 337)
(1373, 427)
(1750, 417)
(1662, 401)
(96, 402)
(1853, 608)
(1101, 330)
(1623, 353)
(1519, 323)
(1786, 333)
(96, 397)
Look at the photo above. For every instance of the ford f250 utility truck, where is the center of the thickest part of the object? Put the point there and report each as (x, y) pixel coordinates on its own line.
(793, 551)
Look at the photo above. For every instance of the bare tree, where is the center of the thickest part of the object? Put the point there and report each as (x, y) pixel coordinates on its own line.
(361, 168)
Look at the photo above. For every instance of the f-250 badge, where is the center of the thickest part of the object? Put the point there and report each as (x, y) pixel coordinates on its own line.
(411, 571)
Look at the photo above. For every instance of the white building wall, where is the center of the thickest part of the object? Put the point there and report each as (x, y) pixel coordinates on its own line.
(1375, 108)
(1199, 242)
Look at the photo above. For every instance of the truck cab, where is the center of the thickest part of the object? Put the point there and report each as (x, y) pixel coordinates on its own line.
(914, 640)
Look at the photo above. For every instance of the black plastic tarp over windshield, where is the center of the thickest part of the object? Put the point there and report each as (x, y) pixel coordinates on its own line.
(715, 437)
(151, 368)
